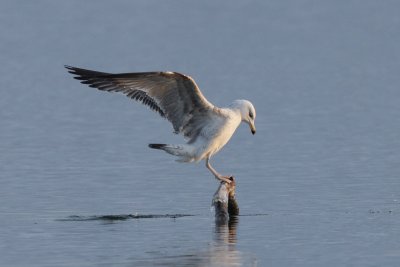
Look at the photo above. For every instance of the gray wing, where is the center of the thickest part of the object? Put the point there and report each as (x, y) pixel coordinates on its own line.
(173, 95)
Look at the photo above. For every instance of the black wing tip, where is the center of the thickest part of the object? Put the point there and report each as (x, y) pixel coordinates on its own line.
(72, 67)
(84, 74)
(157, 146)
(72, 70)
(80, 74)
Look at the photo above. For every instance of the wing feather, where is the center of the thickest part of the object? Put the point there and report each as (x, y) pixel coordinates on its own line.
(173, 95)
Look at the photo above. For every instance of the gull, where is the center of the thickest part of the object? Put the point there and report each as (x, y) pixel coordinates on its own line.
(177, 98)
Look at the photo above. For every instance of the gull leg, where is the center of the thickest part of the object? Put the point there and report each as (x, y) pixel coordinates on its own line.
(216, 174)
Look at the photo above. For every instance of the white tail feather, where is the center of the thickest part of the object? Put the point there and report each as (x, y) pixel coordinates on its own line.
(184, 152)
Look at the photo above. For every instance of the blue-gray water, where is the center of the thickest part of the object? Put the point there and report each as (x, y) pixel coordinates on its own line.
(323, 168)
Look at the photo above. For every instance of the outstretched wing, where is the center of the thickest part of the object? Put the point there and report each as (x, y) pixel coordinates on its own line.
(173, 95)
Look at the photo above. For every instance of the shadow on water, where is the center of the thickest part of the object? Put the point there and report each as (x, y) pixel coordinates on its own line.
(121, 217)
(221, 251)
(124, 217)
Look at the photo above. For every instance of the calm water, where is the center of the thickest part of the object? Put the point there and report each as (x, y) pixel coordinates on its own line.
(323, 169)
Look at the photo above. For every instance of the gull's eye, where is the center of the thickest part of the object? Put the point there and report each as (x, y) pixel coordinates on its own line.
(251, 115)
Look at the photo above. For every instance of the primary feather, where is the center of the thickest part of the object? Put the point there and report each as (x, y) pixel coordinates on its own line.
(173, 95)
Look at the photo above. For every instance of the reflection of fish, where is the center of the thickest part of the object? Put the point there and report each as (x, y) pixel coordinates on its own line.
(177, 98)
(221, 251)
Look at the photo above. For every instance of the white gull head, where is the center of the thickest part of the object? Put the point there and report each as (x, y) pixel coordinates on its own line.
(247, 112)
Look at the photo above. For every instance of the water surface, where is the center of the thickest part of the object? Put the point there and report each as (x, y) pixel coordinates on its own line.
(322, 169)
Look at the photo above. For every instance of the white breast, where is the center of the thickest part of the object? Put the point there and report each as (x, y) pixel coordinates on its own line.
(223, 133)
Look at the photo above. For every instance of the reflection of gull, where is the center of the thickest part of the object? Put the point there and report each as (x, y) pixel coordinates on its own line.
(224, 251)
(177, 98)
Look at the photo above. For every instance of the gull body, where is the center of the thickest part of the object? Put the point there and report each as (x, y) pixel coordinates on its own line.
(177, 98)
